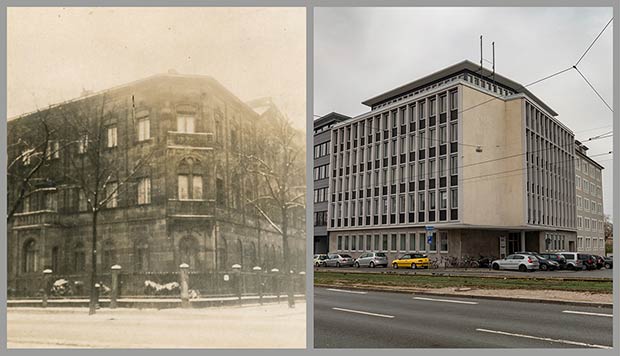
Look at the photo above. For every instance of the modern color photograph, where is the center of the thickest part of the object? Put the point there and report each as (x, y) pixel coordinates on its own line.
(463, 178)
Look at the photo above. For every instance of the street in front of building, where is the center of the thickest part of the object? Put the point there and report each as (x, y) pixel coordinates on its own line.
(267, 326)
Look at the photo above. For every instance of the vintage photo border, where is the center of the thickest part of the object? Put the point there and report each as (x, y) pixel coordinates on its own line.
(310, 4)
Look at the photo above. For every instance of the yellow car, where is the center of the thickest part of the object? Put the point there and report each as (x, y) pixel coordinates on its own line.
(412, 260)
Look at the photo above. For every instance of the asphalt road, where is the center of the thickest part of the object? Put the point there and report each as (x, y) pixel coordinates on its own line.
(602, 273)
(358, 319)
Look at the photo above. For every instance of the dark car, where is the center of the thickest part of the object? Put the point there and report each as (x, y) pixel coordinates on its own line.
(557, 257)
(543, 263)
(587, 260)
(600, 262)
(609, 262)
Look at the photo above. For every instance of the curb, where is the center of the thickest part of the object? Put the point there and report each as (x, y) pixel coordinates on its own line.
(471, 296)
(168, 304)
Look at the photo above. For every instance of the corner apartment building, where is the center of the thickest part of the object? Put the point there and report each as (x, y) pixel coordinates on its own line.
(458, 163)
(321, 173)
(589, 195)
(186, 205)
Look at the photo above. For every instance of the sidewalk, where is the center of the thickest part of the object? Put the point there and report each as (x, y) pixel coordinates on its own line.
(524, 295)
(252, 326)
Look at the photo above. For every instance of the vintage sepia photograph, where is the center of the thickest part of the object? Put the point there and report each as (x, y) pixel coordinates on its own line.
(156, 177)
(463, 177)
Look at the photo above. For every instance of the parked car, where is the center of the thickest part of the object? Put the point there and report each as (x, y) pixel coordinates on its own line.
(412, 260)
(609, 262)
(587, 260)
(319, 260)
(371, 259)
(521, 262)
(543, 263)
(572, 262)
(557, 257)
(338, 260)
(600, 262)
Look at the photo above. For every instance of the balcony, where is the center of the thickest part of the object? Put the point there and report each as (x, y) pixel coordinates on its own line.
(35, 219)
(184, 140)
(190, 209)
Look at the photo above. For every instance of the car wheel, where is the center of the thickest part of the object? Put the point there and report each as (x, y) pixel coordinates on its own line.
(371, 265)
(413, 266)
(543, 267)
(495, 266)
(357, 265)
(522, 268)
(395, 265)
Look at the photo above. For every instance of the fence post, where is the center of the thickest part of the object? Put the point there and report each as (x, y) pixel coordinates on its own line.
(291, 289)
(276, 286)
(303, 282)
(237, 271)
(259, 284)
(184, 274)
(46, 276)
(115, 285)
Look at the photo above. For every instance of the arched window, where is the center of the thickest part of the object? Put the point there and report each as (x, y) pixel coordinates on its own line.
(239, 253)
(222, 255)
(30, 256)
(141, 256)
(109, 255)
(190, 180)
(79, 257)
(55, 259)
(188, 252)
(252, 254)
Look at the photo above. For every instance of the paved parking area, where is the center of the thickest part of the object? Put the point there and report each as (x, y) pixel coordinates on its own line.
(601, 273)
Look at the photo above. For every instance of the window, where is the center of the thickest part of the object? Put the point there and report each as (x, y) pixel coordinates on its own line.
(393, 246)
(442, 135)
(83, 144)
(183, 181)
(421, 202)
(422, 241)
(453, 165)
(431, 169)
(454, 132)
(453, 100)
(431, 200)
(431, 138)
(442, 167)
(144, 129)
(196, 187)
(353, 243)
(79, 257)
(53, 149)
(443, 200)
(412, 246)
(185, 123)
(111, 193)
(443, 242)
(442, 104)
(403, 242)
(108, 258)
(385, 242)
(30, 257)
(141, 256)
(422, 140)
(421, 173)
(432, 246)
(339, 243)
(112, 137)
(411, 202)
(454, 198)
(368, 242)
(144, 191)
(376, 243)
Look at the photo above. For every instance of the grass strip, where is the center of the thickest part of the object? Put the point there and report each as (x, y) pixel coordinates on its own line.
(425, 281)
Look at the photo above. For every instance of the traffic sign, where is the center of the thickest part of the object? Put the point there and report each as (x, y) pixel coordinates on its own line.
(429, 239)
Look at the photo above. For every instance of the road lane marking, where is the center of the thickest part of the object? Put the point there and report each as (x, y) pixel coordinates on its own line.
(346, 291)
(587, 313)
(364, 313)
(445, 300)
(560, 341)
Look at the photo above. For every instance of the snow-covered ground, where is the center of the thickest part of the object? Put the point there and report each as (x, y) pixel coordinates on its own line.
(268, 326)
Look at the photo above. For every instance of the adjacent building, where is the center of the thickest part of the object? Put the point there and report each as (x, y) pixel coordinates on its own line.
(187, 204)
(321, 172)
(462, 162)
(589, 194)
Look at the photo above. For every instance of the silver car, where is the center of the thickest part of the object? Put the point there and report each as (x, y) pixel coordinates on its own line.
(338, 260)
(521, 262)
(371, 259)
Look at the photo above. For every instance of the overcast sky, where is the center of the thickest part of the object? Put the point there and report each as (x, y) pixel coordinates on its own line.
(363, 52)
(54, 53)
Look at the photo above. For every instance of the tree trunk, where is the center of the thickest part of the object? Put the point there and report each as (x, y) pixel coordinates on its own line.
(92, 305)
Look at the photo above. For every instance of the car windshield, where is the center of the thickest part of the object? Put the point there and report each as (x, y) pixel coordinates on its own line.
(380, 254)
(345, 256)
(417, 255)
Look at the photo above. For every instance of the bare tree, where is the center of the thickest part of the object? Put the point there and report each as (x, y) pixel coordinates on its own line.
(30, 149)
(100, 169)
(279, 165)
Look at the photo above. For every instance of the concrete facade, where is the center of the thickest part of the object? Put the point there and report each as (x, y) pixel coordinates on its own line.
(457, 164)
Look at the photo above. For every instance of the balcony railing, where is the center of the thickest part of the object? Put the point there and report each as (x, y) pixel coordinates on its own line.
(197, 140)
(190, 208)
(35, 218)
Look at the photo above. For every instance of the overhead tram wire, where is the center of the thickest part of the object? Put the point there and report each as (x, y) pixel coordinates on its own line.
(591, 86)
(593, 42)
